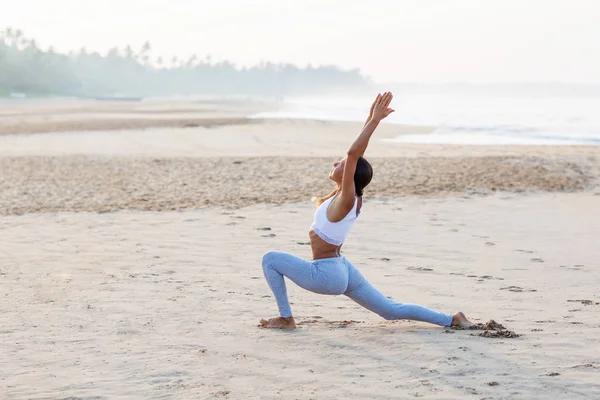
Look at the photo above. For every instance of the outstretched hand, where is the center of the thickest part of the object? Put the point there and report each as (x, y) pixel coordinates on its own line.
(373, 106)
(380, 108)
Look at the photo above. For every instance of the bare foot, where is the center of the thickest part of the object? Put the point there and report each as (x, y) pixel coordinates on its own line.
(278, 323)
(460, 320)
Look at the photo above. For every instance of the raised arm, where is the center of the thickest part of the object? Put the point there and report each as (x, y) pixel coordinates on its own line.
(371, 110)
(382, 102)
(345, 200)
(379, 110)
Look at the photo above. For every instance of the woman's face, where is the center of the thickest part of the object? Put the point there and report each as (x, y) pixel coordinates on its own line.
(337, 171)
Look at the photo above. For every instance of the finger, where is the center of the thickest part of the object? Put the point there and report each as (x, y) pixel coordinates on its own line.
(382, 99)
(389, 99)
(386, 97)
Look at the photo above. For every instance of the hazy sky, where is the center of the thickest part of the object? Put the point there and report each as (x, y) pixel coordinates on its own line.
(390, 40)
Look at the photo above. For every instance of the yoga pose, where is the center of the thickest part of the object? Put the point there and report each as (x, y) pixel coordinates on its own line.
(329, 272)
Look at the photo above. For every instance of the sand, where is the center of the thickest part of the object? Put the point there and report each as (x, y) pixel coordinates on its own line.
(73, 115)
(160, 297)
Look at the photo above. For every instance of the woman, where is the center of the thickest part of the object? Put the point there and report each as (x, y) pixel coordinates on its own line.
(329, 272)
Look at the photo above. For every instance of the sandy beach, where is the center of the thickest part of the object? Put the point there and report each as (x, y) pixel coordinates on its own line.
(132, 235)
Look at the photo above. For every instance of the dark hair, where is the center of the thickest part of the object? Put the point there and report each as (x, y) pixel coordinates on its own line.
(362, 175)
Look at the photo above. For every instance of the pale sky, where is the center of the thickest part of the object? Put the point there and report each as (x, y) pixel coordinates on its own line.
(389, 40)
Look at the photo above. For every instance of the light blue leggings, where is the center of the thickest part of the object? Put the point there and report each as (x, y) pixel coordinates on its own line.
(335, 276)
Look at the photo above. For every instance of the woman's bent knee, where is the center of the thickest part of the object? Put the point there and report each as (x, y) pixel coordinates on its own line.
(270, 258)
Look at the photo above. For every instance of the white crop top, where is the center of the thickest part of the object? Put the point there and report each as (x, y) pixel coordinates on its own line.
(333, 232)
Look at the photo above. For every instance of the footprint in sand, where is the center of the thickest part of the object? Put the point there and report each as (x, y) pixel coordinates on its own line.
(263, 229)
(525, 251)
(269, 235)
(469, 390)
(586, 366)
(517, 289)
(490, 277)
(422, 269)
(490, 243)
(303, 243)
(585, 302)
(537, 260)
(576, 267)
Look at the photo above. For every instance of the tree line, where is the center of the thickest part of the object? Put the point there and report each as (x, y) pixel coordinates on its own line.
(26, 68)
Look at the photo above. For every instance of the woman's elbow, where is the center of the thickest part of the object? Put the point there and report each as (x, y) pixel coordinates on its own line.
(353, 153)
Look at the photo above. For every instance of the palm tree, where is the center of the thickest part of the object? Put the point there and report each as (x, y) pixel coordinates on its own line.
(191, 62)
(144, 53)
(129, 54)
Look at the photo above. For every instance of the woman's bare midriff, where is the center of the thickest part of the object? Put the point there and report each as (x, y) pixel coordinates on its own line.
(322, 249)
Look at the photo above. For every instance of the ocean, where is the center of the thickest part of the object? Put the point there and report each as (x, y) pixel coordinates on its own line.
(472, 118)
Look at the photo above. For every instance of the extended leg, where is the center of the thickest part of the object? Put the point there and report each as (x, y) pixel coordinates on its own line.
(362, 292)
(372, 299)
